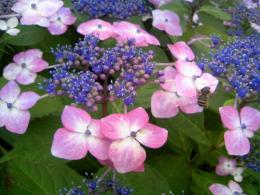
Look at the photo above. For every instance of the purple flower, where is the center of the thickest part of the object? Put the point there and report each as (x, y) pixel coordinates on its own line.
(14, 105)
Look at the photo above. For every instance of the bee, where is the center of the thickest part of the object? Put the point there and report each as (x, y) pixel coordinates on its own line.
(204, 97)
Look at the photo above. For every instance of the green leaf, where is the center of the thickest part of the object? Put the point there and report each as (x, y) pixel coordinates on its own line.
(29, 35)
(216, 12)
(174, 169)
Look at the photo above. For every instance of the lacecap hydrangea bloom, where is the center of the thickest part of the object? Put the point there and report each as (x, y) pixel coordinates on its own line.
(232, 188)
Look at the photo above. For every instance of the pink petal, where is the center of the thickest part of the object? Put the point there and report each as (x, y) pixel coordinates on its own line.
(219, 189)
(250, 117)
(11, 71)
(152, 136)
(206, 80)
(139, 118)
(38, 65)
(185, 86)
(174, 29)
(189, 105)
(181, 51)
(57, 28)
(127, 155)
(19, 7)
(229, 117)
(169, 77)
(26, 100)
(75, 119)
(140, 169)
(3, 113)
(30, 17)
(17, 121)
(164, 104)
(49, 7)
(69, 145)
(235, 187)
(236, 143)
(95, 127)
(221, 171)
(158, 19)
(118, 126)
(66, 16)
(32, 54)
(10, 92)
(152, 40)
(188, 69)
(98, 28)
(26, 77)
(98, 147)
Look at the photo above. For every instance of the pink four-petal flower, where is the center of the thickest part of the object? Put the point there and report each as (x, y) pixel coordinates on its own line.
(25, 67)
(125, 31)
(225, 166)
(14, 105)
(80, 134)
(233, 188)
(240, 127)
(128, 132)
(167, 21)
(99, 28)
(60, 21)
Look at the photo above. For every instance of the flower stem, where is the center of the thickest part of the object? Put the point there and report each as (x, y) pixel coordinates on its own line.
(114, 182)
(165, 64)
(44, 96)
(103, 175)
(104, 101)
(198, 39)
(9, 16)
(53, 66)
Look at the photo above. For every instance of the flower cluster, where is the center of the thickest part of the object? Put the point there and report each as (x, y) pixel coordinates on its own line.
(97, 185)
(238, 64)
(227, 167)
(6, 7)
(118, 9)
(241, 126)
(252, 160)
(89, 74)
(182, 85)
(14, 106)
(244, 16)
(46, 13)
(114, 140)
(121, 31)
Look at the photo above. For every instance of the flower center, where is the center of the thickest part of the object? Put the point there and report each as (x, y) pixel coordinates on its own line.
(236, 193)
(33, 6)
(243, 126)
(23, 65)
(99, 26)
(138, 31)
(59, 18)
(133, 134)
(87, 132)
(9, 105)
(166, 20)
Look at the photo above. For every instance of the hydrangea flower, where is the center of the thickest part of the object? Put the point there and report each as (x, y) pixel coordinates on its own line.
(14, 106)
(233, 188)
(25, 67)
(60, 21)
(181, 51)
(10, 26)
(240, 127)
(127, 132)
(237, 174)
(225, 166)
(190, 79)
(81, 134)
(126, 31)
(166, 104)
(36, 11)
(99, 28)
(168, 21)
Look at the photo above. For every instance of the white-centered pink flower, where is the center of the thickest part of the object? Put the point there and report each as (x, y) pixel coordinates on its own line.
(167, 21)
(190, 79)
(125, 31)
(233, 188)
(60, 21)
(159, 3)
(25, 67)
(241, 126)
(99, 28)
(167, 103)
(181, 51)
(128, 132)
(225, 166)
(81, 134)
(36, 11)
(14, 106)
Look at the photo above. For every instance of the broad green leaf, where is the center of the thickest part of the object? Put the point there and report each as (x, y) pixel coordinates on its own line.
(29, 35)
(216, 12)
